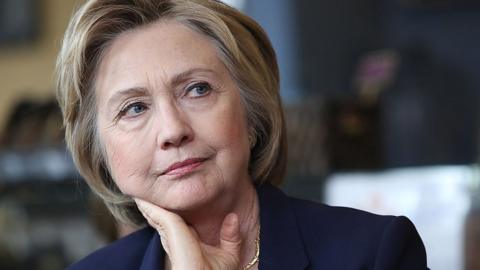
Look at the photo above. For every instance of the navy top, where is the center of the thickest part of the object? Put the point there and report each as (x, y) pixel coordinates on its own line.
(295, 235)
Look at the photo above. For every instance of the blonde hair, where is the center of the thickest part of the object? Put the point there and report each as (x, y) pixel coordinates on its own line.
(242, 45)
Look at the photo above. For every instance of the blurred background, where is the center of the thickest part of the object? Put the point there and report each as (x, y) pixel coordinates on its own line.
(381, 101)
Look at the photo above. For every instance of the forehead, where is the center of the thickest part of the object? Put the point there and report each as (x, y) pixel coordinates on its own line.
(161, 50)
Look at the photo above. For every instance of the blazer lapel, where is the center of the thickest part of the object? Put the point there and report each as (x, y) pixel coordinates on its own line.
(281, 245)
(154, 255)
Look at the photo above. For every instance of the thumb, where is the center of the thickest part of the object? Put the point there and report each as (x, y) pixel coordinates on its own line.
(230, 239)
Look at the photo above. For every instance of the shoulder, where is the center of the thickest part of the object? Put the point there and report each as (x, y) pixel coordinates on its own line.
(125, 253)
(344, 220)
(385, 242)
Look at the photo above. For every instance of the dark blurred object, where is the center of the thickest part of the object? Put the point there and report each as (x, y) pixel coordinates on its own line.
(40, 199)
(7, 260)
(331, 36)
(32, 146)
(33, 124)
(430, 113)
(439, 3)
(354, 136)
(307, 157)
(306, 135)
(354, 131)
(19, 21)
(47, 258)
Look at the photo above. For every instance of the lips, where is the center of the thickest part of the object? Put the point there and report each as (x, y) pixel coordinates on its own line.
(183, 167)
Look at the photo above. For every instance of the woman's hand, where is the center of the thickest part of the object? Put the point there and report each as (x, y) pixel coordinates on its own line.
(183, 246)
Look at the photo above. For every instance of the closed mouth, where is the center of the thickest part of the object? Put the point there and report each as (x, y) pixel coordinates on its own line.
(183, 167)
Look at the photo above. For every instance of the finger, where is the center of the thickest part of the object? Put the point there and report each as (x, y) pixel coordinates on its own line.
(176, 235)
(157, 214)
(146, 211)
(161, 232)
(230, 239)
(164, 221)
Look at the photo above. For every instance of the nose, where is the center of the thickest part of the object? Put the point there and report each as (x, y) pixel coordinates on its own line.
(175, 129)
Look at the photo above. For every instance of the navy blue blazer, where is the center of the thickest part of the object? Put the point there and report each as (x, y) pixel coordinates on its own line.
(295, 235)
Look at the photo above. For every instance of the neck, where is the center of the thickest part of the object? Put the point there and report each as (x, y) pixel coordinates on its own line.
(208, 220)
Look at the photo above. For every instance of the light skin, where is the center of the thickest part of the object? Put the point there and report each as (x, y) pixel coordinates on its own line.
(171, 120)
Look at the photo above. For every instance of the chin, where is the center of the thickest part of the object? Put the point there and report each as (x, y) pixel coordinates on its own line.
(188, 194)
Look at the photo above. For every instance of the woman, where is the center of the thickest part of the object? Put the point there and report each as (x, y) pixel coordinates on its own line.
(173, 117)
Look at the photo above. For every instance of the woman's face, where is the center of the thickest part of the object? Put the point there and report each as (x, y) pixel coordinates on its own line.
(170, 118)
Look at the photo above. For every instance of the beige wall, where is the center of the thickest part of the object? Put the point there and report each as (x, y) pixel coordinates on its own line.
(26, 71)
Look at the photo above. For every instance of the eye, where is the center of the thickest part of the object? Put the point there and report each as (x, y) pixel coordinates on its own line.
(133, 109)
(198, 90)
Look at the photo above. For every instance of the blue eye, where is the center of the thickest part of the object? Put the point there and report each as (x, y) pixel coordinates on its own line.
(199, 90)
(133, 109)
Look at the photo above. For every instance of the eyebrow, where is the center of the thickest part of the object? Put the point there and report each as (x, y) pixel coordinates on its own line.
(133, 91)
(183, 76)
(139, 91)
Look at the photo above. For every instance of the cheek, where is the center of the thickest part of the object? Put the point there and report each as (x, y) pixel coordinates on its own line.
(127, 158)
(230, 137)
(229, 128)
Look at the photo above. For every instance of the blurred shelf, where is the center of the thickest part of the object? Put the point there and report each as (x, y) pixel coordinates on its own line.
(48, 164)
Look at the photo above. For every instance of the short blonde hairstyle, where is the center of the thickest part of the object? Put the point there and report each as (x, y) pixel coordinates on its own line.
(242, 46)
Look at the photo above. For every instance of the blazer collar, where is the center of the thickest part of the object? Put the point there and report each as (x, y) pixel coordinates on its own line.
(281, 245)
(154, 254)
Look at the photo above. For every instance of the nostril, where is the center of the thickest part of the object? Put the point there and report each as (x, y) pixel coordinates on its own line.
(184, 139)
(166, 145)
(176, 142)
